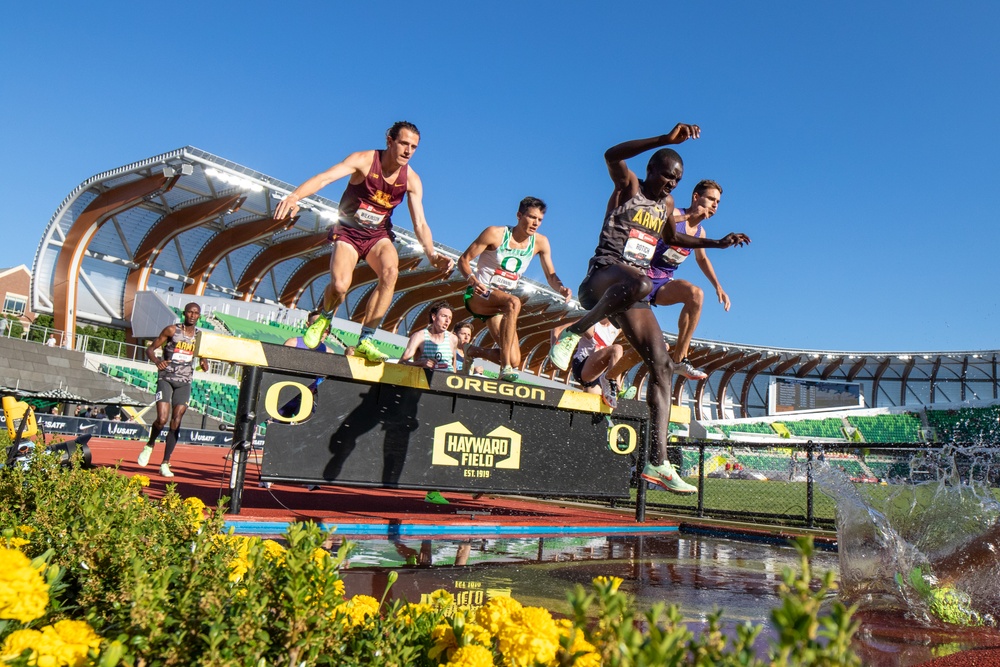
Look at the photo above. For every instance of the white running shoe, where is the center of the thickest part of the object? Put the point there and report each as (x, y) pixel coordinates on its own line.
(684, 367)
(665, 476)
(165, 470)
(562, 352)
(144, 455)
(609, 391)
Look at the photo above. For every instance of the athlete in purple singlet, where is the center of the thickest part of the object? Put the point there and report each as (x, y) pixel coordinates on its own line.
(666, 259)
(379, 179)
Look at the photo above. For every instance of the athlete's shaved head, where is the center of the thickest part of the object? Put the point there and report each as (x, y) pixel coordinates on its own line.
(531, 202)
(393, 132)
(191, 305)
(663, 157)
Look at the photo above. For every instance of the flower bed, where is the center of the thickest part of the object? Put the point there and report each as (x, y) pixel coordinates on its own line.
(92, 572)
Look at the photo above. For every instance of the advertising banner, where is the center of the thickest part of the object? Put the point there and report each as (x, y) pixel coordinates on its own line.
(442, 431)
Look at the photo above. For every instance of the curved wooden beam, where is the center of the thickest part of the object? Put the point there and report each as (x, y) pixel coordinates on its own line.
(829, 370)
(710, 364)
(808, 366)
(415, 297)
(165, 230)
(301, 279)
(270, 257)
(741, 362)
(65, 281)
(408, 279)
(752, 373)
(227, 241)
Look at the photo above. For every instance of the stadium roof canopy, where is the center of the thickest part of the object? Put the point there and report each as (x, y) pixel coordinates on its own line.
(191, 222)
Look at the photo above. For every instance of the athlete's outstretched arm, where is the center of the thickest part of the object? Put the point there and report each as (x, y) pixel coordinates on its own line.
(705, 264)
(616, 155)
(671, 236)
(415, 200)
(355, 162)
(489, 238)
(544, 252)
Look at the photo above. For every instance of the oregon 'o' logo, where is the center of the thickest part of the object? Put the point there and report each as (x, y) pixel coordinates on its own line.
(280, 413)
(614, 441)
(511, 264)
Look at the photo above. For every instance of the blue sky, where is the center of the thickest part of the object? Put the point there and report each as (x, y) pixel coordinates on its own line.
(856, 142)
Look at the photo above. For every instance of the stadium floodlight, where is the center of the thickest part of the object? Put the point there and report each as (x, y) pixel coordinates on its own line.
(903, 357)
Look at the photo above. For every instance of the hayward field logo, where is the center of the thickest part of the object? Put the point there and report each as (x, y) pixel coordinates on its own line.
(456, 445)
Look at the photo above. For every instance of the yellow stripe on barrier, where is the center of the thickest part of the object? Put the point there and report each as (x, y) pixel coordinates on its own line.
(403, 375)
(680, 414)
(581, 400)
(227, 348)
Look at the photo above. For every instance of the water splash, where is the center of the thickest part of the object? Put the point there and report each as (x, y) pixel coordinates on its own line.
(942, 519)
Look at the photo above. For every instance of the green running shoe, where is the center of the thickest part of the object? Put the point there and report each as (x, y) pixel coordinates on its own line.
(144, 455)
(947, 603)
(508, 374)
(628, 393)
(562, 352)
(314, 334)
(664, 475)
(435, 498)
(367, 350)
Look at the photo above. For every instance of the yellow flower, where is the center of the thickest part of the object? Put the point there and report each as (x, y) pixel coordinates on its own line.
(497, 612)
(529, 638)
(64, 644)
(71, 641)
(443, 636)
(27, 530)
(579, 644)
(356, 610)
(410, 612)
(274, 551)
(611, 583)
(19, 640)
(338, 587)
(24, 595)
(442, 598)
(14, 542)
(472, 655)
(195, 510)
(321, 557)
(140, 480)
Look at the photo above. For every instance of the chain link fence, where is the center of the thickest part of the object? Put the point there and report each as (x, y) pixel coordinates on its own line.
(762, 482)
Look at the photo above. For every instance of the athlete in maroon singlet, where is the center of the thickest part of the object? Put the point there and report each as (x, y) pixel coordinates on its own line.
(379, 180)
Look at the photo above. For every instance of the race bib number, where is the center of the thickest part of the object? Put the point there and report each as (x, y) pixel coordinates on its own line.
(504, 280)
(676, 255)
(183, 353)
(369, 216)
(639, 248)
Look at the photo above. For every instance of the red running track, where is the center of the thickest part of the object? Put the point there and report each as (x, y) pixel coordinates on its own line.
(204, 472)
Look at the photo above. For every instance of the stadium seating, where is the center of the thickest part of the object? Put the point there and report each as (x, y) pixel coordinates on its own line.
(903, 427)
(966, 425)
(888, 467)
(216, 398)
(816, 428)
(272, 332)
(761, 428)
